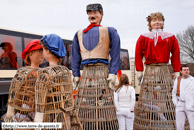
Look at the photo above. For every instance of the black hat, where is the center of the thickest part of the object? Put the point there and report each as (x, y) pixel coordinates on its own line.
(94, 7)
(2, 44)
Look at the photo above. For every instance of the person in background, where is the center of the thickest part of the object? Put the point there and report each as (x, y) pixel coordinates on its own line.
(183, 98)
(124, 97)
(8, 58)
(172, 76)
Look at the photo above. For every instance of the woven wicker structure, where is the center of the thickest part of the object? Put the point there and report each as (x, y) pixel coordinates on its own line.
(155, 109)
(54, 95)
(94, 100)
(22, 94)
(75, 122)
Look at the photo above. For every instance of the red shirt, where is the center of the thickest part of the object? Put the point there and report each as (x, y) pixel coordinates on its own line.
(166, 44)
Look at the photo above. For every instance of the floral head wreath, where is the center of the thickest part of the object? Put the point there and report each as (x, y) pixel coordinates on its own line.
(149, 17)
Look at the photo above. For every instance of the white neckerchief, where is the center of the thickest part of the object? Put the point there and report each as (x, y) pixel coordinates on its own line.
(156, 35)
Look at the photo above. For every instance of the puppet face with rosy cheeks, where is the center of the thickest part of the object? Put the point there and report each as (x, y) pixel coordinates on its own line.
(157, 23)
(36, 57)
(94, 17)
(47, 54)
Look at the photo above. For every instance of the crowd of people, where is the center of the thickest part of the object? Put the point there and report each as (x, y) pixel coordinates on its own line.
(45, 94)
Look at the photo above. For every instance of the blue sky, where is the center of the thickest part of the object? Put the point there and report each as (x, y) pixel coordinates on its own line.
(65, 17)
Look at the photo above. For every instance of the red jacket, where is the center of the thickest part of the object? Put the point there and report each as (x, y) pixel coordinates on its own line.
(157, 54)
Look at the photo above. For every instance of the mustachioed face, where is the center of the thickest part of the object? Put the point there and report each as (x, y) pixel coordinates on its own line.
(157, 23)
(94, 17)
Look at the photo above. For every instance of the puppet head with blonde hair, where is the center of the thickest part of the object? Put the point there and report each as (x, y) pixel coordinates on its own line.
(155, 16)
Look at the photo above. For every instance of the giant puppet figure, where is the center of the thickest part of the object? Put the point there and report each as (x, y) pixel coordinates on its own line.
(21, 100)
(91, 48)
(54, 99)
(155, 109)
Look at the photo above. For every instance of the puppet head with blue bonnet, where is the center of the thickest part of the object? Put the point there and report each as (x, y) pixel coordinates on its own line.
(53, 44)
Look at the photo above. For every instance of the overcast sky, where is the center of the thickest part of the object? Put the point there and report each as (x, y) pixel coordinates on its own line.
(65, 17)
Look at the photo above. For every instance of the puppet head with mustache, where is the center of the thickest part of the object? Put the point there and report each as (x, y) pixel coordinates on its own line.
(95, 13)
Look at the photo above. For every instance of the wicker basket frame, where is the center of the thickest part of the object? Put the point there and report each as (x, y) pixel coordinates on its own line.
(54, 95)
(94, 100)
(155, 109)
(22, 94)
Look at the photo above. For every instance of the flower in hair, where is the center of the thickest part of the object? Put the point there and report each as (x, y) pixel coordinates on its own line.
(148, 18)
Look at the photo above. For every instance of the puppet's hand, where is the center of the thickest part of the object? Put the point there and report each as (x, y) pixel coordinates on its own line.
(139, 76)
(176, 74)
(76, 82)
(10, 114)
(39, 117)
(111, 78)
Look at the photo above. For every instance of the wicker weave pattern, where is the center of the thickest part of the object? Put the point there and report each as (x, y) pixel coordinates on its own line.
(155, 109)
(53, 92)
(75, 122)
(94, 100)
(22, 94)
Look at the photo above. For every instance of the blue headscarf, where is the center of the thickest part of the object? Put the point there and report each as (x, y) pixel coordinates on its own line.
(55, 44)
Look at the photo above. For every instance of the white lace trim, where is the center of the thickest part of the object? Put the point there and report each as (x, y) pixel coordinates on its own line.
(163, 35)
(156, 30)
